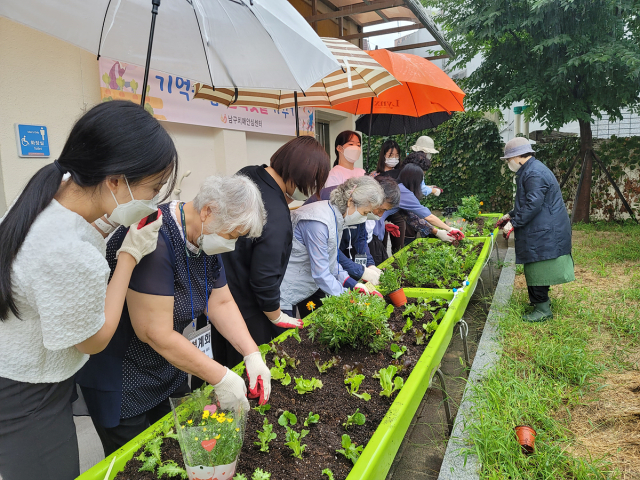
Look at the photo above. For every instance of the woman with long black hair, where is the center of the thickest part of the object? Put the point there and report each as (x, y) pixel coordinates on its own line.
(57, 305)
(389, 161)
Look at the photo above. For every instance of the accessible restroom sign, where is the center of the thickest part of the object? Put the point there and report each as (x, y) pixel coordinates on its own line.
(32, 140)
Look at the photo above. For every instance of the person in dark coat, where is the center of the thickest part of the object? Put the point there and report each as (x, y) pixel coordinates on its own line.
(256, 267)
(541, 226)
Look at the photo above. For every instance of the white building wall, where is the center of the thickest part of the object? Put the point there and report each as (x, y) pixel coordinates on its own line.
(46, 81)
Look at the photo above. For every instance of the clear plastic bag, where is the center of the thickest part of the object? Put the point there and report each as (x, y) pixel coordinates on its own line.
(210, 438)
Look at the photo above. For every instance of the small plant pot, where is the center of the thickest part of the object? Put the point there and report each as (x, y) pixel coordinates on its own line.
(527, 438)
(398, 298)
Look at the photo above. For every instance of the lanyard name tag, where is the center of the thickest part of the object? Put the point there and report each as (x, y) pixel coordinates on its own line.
(361, 260)
(202, 340)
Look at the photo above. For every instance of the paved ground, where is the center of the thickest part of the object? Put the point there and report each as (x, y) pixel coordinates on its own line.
(421, 453)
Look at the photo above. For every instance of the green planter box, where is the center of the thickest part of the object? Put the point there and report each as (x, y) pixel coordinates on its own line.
(378, 455)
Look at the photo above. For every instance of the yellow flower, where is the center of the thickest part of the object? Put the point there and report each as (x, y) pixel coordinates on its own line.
(220, 420)
(229, 420)
(237, 429)
(189, 422)
(481, 203)
(182, 426)
(311, 306)
(206, 414)
(222, 414)
(217, 437)
(204, 429)
(196, 439)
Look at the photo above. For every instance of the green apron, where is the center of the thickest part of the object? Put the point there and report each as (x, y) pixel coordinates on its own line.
(549, 272)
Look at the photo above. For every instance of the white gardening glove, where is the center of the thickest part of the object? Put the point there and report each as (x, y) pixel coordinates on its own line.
(259, 377)
(371, 275)
(506, 230)
(436, 190)
(232, 392)
(503, 221)
(141, 239)
(375, 268)
(444, 236)
(286, 321)
(367, 288)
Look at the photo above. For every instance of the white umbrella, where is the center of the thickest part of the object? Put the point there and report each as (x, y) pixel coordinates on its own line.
(227, 43)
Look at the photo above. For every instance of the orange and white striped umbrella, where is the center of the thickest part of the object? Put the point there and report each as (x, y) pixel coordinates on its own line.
(361, 77)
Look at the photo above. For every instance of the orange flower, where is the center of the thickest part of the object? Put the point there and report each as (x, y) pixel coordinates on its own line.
(481, 203)
(311, 306)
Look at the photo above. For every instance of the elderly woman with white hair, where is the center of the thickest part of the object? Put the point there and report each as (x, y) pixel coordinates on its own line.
(128, 385)
(314, 270)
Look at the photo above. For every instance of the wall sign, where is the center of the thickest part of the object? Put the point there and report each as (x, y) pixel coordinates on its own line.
(32, 140)
(170, 98)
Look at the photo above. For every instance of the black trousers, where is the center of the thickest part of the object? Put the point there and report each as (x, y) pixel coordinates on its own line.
(378, 250)
(538, 294)
(37, 434)
(114, 438)
(316, 298)
(397, 243)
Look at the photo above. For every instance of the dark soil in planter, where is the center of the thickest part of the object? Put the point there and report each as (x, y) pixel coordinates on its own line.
(332, 402)
(170, 451)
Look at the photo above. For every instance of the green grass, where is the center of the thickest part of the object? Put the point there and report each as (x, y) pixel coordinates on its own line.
(547, 369)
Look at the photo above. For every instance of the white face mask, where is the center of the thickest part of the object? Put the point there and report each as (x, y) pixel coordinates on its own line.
(391, 161)
(355, 218)
(134, 210)
(514, 166)
(212, 243)
(352, 154)
(372, 216)
(298, 195)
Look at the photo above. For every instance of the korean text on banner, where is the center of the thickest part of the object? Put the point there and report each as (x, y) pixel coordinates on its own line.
(170, 98)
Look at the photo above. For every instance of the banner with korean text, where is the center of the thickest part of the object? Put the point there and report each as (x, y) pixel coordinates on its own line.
(170, 98)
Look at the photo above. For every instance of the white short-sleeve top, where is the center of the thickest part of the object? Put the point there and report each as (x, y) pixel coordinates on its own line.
(59, 283)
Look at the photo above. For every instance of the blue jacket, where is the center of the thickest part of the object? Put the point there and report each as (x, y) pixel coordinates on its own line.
(539, 218)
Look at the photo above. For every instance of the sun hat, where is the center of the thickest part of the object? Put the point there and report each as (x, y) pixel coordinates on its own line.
(424, 144)
(516, 147)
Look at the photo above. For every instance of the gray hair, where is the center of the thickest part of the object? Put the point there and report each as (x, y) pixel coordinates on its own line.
(235, 201)
(364, 191)
(391, 190)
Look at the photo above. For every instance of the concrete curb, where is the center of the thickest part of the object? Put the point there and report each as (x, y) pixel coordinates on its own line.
(454, 465)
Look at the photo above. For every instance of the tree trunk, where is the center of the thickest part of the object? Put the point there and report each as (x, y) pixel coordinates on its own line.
(583, 206)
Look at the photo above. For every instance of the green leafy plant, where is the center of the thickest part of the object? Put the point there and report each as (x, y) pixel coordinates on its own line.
(282, 355)
(353, 385)
(407, 326)
(259, 474)
(264, 349)
(397, 351)
(415, 311)
(352, 319)
(293, 438)
(402, 365)
(322, 368)
(262, 409)
(239, 476)
(388, 383)
(470, 208)
(311, 418)
(420, 335)
(265, 436)
(239, 369)
(390, 280)
(328, 473)
(306, 386)
(430, 327)
(356, 419)
(151, 460)
(296, 335)
(278, 373)
(350, 449)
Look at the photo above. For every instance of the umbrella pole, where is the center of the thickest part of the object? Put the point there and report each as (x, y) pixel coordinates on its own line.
(154, 14)
(369, 135)
(295, 101)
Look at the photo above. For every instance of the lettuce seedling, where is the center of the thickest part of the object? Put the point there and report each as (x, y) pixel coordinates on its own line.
(239, 476)
(397, 351)
(402, 365)
(326, 365)
(311, 418)
(287, 418)
(262, 409)
(306, 386)
(280, 353)
(387, 382)
(264, 349)
(349, 449)
(277, 372)
(265, 436)
(293, 437)
(353, 383)
(296, 335)
(419, 336)
(328, 473)
(407, 326)
(259, 474)
(430, 327)
(356, 419)
(398, 336)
